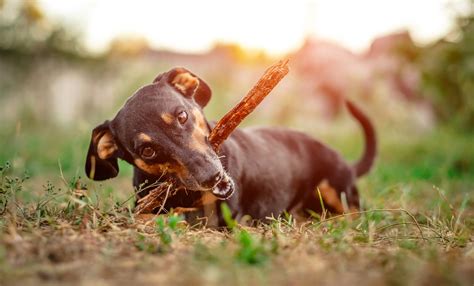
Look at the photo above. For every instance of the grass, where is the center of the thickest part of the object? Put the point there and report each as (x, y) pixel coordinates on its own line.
(57, 227)
(417, 226)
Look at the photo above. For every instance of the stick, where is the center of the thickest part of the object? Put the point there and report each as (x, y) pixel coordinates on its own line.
(222, 130)
(154, 199)
(261, 89)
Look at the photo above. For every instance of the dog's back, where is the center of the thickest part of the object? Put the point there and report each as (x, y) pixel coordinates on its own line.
(278, 169)
(275, 168)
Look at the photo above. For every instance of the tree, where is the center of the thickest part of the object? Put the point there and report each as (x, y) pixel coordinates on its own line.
(448, 74)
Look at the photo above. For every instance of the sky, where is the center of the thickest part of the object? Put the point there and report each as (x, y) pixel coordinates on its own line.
(276, 26)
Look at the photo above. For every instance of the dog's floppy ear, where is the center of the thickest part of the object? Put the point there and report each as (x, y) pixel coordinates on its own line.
(188, 84)
(101, 161)
(159, 77)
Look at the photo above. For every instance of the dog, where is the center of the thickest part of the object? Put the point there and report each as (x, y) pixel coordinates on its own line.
(161, 130)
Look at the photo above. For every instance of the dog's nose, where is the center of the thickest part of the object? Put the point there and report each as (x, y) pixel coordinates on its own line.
(213, 180)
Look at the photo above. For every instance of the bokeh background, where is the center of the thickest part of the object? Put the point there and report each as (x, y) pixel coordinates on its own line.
(66, 66)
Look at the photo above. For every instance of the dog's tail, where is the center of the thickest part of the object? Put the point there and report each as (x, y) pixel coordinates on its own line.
(364, 164)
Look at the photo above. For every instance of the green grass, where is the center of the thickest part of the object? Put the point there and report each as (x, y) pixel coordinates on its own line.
(417, 225)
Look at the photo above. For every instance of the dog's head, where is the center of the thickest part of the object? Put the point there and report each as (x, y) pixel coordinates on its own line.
(162, 131)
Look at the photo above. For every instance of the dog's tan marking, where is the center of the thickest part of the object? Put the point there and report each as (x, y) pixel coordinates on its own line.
(159, 169)
(330, 196)
(106, 146)
(200, 120)
(180, 210)
(144, 137)
(185, 82)
(155, 169)
(92, 172)
(167, 118)
(208, 202)
(200, 131)
(208, 198)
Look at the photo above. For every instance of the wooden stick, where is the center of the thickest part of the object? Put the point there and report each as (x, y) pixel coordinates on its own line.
(261, 89)
(155, 198)
(272, 76)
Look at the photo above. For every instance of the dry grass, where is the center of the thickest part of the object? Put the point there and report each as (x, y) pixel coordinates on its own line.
(411, 232)
(66, 236)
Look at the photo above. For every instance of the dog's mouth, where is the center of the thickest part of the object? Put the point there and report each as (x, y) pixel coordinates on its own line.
(224, 189)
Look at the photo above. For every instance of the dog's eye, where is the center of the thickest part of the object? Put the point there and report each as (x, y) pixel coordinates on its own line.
(182, 117)
(148, 153)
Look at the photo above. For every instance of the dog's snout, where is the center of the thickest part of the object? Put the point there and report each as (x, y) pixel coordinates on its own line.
(213, 180)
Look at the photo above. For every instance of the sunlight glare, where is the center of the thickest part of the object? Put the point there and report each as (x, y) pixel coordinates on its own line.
(274, 26)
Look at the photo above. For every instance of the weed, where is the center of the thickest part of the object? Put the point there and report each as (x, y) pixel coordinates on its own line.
(10, 187)
(251, 250)
(166, 227)
(227, 215)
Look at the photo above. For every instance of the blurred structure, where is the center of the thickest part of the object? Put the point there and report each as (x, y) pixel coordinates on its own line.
(24, 29)
(333, 72)
(393, 57)
(47, 77)
(448, 73)
(330, 72)
(386, 80)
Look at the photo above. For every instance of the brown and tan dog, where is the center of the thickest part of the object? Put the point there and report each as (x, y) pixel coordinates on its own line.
(161, 130)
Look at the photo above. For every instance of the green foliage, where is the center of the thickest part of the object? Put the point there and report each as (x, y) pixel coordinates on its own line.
(227, 215)
(26, 30)
(251, 250)
(448, 75)
(166, 227)
(165, 236)
(10, 187)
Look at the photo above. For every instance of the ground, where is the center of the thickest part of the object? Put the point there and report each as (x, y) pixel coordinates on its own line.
(416, 228)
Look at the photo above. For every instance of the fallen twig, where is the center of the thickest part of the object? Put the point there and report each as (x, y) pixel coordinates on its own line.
(261, 89)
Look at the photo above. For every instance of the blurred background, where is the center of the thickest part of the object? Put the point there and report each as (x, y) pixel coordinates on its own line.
(66, 66)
